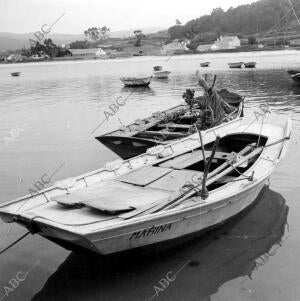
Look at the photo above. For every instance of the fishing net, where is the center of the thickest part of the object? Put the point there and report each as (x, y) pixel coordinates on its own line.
(213, 108)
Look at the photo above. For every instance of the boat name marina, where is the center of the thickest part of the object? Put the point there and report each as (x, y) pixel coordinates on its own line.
(154, 230)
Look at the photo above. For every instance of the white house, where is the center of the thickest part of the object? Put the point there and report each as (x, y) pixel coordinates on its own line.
(204, 48)
(229, 42)
(14, 58)
(177, 46)
(88, 53)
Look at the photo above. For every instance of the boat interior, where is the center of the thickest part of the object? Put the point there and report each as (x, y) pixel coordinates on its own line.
(175, 123)
(166, 131)
(145, 189)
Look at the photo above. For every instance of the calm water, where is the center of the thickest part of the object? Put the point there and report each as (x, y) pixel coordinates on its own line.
(48, 118)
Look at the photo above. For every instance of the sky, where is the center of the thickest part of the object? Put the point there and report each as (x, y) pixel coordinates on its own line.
(23, 16)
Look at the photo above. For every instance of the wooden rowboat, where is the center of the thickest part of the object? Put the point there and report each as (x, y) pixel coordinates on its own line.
(296, 78)
(136, 81)
(162, 128)
(250, 65)
(170, 192)
(161, 74)
(293, 72)
(205, 64)
(246, 239)
(157, 68)
(236, 65)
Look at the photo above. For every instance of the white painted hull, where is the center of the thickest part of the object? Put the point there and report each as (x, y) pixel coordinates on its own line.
(164, 229)
(108, 234)
(236, 65)
(136, 82)
(161, 74)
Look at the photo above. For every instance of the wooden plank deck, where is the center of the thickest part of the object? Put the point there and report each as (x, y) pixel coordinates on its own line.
(144, 176)
(189, 159)
(174, 125)
(114, 196)
(175, 180)
(153, 134)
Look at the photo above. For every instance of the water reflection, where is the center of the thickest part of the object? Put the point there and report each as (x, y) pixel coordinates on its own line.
(232, 251)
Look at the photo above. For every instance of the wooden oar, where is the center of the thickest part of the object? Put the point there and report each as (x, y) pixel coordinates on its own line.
(211, 179)
(227, 163)
(232, 167)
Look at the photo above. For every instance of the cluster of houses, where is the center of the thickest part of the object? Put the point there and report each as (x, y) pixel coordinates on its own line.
(88, 53)
(18, 58)
(108, 51)
(222, 43)
(70, 54)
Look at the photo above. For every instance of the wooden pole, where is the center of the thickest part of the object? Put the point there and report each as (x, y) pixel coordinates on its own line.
(204, 191)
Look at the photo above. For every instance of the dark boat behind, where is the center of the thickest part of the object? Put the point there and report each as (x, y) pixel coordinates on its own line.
(205, 64)
(236, 65)
(296, 78)
(15, 73)
(293, 72)
(250, 65)
(162, 128)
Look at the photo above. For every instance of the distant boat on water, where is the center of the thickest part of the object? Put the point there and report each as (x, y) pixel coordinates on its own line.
(236, 65)
(205, 64)
(296, 78)
(293, 71)
(15, 73)
(159, 73)
(136, 81)
(250, 65)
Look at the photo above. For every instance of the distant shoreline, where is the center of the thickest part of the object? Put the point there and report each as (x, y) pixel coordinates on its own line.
(127, 56)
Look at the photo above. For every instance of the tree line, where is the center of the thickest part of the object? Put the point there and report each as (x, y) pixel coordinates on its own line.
(262, 17)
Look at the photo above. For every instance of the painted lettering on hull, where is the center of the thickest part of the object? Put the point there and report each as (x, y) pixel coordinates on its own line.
(154, 230)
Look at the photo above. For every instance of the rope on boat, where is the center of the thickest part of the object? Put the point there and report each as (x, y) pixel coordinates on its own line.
(33, 228)
(250, 178)
(15, 242)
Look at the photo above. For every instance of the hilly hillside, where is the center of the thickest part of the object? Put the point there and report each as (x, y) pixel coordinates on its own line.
(264, 17)
(11, 41)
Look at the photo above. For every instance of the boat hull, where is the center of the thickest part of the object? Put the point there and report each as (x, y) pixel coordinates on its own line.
(126, 147)
(204, 64)
(136, 82)
(161, 74)
(296, 78)
(235, 65)
(250, 65)
(293, 72)
(175, 228)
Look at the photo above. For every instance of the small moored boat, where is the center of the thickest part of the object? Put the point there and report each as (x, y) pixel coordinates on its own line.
(136, 81)
(169, 125)
(205, 64)
(296, 78)
(236, 65)
(166, 194)
(159, 73)
(250, 65)
(293, 72)
(15, 73)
